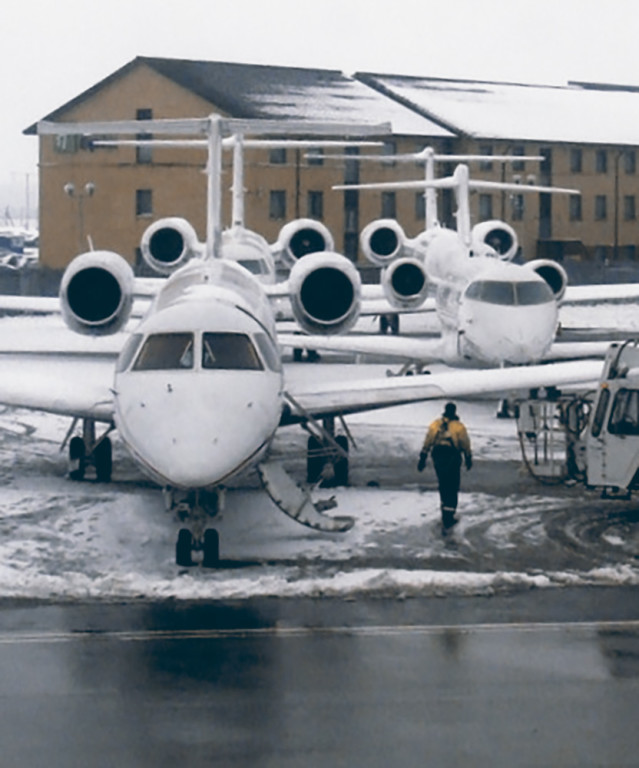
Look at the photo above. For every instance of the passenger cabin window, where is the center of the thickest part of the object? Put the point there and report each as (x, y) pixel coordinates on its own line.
(166, 352)
(624, 418)
(229, 351)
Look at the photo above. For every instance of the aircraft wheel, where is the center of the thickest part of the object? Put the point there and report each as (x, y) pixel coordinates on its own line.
(77, 458)
(184, 548)
(314, 459)
(383, 323)
(297, 355)
(341, 465)
(211, 548)
(103, 458)
(394, 324)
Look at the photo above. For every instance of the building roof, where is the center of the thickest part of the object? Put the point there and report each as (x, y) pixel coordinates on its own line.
(581, 113)
(268, 92)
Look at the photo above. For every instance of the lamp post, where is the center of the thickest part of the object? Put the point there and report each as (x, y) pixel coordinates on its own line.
(86, 192)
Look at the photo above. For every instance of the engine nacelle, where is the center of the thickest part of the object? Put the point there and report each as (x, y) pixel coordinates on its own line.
(96, 293)
(300, 238)
(405, 284)
(325, 293)
(553, 273)
(382, 241)
(498, 236)
(169, 243)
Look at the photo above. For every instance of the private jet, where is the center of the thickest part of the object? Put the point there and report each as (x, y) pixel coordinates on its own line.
(197, 391)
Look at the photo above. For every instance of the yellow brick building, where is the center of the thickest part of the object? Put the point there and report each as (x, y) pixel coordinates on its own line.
(108, 196)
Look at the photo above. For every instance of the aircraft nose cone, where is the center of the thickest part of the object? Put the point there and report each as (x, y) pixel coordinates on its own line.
(196, 430)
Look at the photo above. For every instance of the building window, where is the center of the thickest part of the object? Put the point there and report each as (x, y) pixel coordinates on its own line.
(518, 208)
(575, 208)
(601, 161)
(576, 160)
(389, 205)
(143, 154)
(485, 149)
(315, 204)
(277, 204)
(143, 202)
(388, 150)
(420, 206)
(519, 165)
(485, 207)
(277, 156)
(351, 167)
(601, 208)
(315, 156)
(67, 144)
(630, 161)
(629, 208)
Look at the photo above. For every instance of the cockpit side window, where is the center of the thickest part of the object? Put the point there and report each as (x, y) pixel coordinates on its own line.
(229, 351)
(624, 418)
(166, 351)
(129, 349)
(269, 351)
(492, 291)
(533, 292)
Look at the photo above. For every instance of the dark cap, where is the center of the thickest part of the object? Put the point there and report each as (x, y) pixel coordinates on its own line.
(450, 410)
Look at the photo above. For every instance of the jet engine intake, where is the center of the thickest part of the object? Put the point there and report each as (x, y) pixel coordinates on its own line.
(553, 273)
(405, 284)
(300, 238)
(96, 293)
(382, 241)
(325, 293)
(169, 243)
(498, 235)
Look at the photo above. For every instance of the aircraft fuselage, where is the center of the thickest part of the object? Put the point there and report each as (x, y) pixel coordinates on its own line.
(198, 388)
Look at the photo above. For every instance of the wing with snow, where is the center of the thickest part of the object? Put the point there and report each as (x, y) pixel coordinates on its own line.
(398, 348)
(67, 384)
(324, 399)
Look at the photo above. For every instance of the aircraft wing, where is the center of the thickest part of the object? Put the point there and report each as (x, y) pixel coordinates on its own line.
(399, 348)
(67, 384)
(356, 396)
(594, 294)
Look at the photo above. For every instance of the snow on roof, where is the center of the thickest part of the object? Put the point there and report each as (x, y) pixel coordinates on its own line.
(576, 113)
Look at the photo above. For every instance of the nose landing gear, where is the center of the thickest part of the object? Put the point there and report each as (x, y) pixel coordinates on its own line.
(196, 507)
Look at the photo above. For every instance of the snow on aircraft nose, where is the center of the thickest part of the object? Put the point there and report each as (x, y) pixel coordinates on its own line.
(195, 429)
(515, 334)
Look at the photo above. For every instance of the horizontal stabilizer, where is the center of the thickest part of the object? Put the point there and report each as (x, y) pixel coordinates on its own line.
(297, 503)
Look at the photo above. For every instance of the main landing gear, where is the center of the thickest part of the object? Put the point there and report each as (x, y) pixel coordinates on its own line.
(197, 543)
(87, 451)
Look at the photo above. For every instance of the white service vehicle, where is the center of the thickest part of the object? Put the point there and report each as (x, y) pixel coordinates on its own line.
(589, 437)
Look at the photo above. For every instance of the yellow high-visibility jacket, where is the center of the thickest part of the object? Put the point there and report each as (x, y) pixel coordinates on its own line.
(445, 431)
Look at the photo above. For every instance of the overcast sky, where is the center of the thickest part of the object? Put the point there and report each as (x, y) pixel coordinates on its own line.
(52, 51)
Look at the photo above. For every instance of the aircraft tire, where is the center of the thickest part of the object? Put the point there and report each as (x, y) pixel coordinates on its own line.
(314, 459)
(77, 458)
(211, 548)
(341, 464)
(184, 548)
(103, 458)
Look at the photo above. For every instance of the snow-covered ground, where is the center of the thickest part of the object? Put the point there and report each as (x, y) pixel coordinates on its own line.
(65, 540)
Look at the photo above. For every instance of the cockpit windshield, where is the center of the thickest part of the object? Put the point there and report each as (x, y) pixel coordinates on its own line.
(231, 351)
(510, 293)
(166, 351)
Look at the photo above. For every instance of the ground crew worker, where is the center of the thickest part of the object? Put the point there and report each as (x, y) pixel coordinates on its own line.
(448, 439)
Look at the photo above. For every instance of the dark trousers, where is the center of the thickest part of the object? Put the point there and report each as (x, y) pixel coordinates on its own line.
(447, 461)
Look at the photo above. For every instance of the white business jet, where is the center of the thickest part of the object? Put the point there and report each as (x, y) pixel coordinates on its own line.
(492, 311)
(197, 392)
